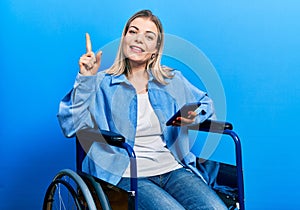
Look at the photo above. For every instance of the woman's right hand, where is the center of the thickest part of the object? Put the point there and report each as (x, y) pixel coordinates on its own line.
(89, 63)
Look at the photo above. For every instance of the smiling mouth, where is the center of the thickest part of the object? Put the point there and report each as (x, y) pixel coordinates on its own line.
(137, 49)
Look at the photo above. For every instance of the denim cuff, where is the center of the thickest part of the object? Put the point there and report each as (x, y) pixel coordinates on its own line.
(85, 83)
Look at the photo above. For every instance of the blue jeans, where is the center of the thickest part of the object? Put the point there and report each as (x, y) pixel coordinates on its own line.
(179, 189)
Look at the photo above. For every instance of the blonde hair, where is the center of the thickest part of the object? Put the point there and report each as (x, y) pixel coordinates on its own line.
(121, 64)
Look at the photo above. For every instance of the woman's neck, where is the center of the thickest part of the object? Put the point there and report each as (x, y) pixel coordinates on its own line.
(139, 79)
(137, 67)
(139, 74)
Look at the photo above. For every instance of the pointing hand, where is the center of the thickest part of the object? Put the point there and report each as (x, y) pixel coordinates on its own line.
(89, 63)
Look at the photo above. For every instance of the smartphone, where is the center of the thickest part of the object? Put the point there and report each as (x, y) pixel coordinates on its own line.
(183, 112)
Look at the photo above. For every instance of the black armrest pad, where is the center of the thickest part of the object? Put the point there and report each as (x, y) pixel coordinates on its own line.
(112, 138)
(91, 134)
(212, 126)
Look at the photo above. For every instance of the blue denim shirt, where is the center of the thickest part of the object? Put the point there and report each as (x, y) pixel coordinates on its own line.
(109, 102)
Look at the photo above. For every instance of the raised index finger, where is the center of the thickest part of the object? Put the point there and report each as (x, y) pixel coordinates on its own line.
(88, 43)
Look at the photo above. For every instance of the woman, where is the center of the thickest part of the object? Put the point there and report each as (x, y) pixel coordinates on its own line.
(135, 97)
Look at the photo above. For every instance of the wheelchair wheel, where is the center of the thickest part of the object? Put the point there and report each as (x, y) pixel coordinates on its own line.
(68, 191)
(100, 198)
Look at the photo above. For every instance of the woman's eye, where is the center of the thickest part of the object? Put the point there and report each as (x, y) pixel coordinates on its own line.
(132, 31)
(149, 37)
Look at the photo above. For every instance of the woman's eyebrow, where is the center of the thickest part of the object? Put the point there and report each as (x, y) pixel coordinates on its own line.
(134, 27)
(146, 31)
(151, 32)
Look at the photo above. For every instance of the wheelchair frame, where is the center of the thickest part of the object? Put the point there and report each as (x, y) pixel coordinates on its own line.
(87, 193)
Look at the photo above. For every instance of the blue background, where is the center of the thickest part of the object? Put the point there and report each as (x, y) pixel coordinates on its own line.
(254, 46)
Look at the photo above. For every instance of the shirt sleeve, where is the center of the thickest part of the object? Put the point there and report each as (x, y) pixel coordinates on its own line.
(74, 113)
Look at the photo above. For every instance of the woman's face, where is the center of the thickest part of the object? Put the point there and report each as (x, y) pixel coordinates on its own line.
(140, 41)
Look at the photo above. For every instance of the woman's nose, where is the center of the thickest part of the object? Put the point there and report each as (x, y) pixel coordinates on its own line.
(139, 38)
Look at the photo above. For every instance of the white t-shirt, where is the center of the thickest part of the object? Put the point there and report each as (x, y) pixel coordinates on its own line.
(153, 158)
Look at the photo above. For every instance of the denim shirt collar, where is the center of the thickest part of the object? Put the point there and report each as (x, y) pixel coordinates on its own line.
(119, 79)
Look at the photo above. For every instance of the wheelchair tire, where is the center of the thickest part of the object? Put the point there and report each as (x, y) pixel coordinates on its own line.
(68, 191)
(100, 198)
(50, 197)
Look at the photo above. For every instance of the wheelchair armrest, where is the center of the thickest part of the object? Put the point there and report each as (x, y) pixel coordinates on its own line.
(85, 137)
(212, 126)
(92, 134)
(112, 138)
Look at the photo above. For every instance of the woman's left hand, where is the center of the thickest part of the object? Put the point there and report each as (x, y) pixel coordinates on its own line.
(181, 121)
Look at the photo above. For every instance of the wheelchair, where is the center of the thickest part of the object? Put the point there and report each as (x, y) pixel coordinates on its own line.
(78, 190)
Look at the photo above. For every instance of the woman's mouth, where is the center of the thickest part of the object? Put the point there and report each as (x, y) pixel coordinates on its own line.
(137, 49)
